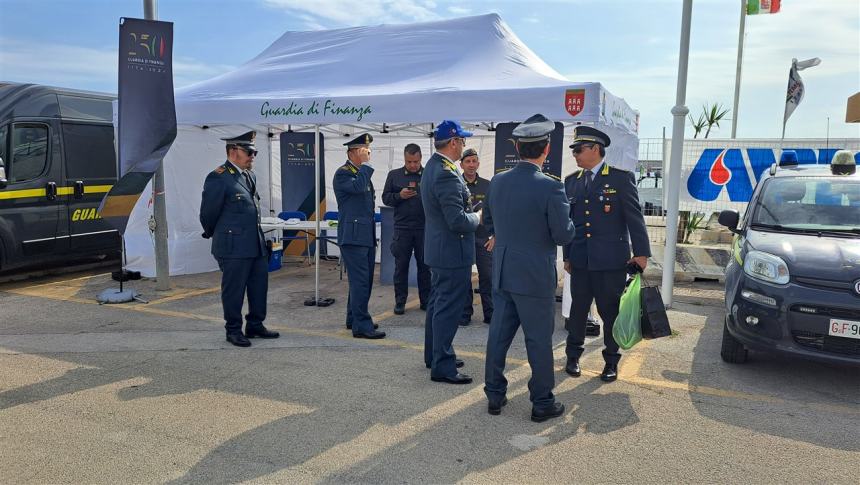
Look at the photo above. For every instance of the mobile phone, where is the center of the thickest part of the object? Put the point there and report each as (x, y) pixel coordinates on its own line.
(410, 188)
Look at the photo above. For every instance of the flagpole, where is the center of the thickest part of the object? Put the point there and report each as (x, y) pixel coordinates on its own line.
(740, 61)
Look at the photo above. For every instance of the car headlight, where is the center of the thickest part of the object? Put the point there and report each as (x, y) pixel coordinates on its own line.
(766, 267)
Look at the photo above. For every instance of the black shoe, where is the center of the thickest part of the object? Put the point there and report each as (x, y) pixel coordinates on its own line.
(238, 340)
(455, 379)
(489, 319)
(261, 332)
(373, 335)
(592, 329)
(349, 326)
(610, 373)
(423, 307)
(465, 322)
(494, 407)
(458, 362)
(572, 367)
(541, 415)
(399, 308)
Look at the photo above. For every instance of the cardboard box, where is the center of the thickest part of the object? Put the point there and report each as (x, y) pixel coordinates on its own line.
(852, 113)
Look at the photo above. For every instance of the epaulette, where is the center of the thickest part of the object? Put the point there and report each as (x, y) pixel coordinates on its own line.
(502, 170)
(551, 176)
(220, 170)
(574, 174)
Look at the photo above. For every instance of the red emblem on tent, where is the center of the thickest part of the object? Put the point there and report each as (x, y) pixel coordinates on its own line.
(574, 100)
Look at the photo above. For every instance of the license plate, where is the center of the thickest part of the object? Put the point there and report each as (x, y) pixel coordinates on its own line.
(844, 328)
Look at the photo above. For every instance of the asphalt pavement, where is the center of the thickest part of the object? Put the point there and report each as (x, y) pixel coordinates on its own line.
(142, 393)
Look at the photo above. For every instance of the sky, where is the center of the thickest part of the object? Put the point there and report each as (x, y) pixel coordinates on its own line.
(631, 46)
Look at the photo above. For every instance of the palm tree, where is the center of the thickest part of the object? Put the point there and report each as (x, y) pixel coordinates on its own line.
(713, 116)
(698, 125)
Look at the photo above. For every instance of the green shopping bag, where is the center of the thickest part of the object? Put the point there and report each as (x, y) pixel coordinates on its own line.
(627, 329)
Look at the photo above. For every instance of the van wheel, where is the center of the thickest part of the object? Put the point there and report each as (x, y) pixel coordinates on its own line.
(732, 351)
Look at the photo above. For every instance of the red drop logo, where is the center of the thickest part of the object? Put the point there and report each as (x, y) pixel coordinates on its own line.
(719, 174)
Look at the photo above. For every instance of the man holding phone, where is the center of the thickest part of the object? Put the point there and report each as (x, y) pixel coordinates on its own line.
(401, 191)
(484, 240)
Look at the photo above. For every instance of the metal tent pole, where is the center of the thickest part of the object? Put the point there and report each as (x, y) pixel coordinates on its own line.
(318, 216)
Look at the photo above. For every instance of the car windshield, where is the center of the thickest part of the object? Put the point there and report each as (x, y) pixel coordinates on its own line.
(810, 203)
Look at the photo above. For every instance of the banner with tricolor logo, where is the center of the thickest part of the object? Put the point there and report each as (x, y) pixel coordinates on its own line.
(755, 7)
(146, 114)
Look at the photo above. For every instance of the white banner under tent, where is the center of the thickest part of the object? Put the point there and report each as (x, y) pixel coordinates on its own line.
(299, 82)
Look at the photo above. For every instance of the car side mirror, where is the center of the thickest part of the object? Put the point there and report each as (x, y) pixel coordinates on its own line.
(730, 219)
(3, 180)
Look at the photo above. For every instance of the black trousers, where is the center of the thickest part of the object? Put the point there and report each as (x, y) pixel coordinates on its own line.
(404, 244)
(484, 262)
(238, 277)
(604, 288)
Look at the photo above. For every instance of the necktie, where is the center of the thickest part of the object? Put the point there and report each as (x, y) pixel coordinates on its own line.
(588, 175)
(248, 181)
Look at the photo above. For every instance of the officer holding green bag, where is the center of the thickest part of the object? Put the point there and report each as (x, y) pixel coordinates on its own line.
(604, 206)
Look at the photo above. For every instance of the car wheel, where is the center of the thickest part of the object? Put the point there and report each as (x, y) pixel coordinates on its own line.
(732, 351)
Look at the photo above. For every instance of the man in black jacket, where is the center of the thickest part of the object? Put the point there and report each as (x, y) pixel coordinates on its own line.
(401, 191)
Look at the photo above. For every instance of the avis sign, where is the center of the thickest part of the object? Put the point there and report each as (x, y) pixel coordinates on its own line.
(716, 176)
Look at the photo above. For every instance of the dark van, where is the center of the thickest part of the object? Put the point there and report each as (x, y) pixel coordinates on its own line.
(58, 162)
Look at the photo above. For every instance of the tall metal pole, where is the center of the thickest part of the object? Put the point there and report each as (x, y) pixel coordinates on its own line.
(679, 112)
(738, 72)
(159, 205)
(318, 215)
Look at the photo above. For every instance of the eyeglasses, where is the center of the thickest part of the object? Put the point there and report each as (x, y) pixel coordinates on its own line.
(578, 148)
(461, 141)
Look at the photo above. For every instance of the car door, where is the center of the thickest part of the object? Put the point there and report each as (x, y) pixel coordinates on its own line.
(90, 172)
(33, 219)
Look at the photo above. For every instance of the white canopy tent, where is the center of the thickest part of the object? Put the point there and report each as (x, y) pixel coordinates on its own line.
(391, 80)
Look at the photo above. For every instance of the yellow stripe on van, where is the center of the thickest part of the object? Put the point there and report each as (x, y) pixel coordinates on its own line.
(97, 189)
(29, 193)
(21, 194)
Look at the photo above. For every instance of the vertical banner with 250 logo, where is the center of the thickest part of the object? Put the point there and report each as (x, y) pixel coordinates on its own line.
(146, 115)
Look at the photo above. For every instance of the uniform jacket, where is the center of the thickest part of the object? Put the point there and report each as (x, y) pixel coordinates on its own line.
(355, 204)
(449, 228)
(408, 213)
(607, 218)
(479, 189)
(230, 214)
(531, 217)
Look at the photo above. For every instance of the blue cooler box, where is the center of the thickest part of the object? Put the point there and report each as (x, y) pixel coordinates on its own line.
(276, 257)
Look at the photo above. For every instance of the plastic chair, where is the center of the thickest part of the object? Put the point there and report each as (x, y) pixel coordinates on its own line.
(286, 215)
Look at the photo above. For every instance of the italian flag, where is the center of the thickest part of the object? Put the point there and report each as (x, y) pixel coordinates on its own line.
(755, 7)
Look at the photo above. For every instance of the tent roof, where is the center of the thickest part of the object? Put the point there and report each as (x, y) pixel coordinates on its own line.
(471, 68)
